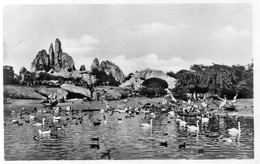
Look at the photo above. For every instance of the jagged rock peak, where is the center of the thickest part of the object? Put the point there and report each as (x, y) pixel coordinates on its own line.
(58, 46)
(109, 68)
(56, 60)
(51, 55)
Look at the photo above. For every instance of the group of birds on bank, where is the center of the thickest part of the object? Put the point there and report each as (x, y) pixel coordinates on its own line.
(53, 120)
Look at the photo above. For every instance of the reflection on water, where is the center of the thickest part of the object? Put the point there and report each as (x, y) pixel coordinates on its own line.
(126, 140)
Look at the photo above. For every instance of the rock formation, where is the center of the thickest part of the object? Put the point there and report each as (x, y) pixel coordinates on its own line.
(109, 68)
(41, 62)
(82, 68)
(18, 92)
(56, 60)
(74, 89)
(137, 79)
(51, 55)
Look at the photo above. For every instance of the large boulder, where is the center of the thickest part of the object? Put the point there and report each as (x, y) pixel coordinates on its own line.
(49, 91)
(18, 92)
(137, 79)
(75, 89)
(112, 93)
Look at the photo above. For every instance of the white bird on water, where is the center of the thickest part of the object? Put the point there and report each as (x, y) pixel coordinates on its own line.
(194, 128)
(234, 131)
(147, 126)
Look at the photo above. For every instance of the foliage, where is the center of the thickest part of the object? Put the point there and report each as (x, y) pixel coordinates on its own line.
(216, 79)
(8, 73)
(154, 87)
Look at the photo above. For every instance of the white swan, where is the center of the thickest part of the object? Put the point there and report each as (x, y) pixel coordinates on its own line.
(234, 131)
(183, 123)
(171, 113)
(40, 124)
(204, 120)
(147, 126)
(31, 117)
(153, 115)
(56, 119)
(44, 132)
(194, 128)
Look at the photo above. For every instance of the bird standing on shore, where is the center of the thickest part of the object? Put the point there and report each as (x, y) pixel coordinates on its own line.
(223, 103)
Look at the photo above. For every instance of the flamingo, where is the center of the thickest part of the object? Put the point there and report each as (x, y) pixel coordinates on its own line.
(189, 101)
(223, 103)
(235, 131)
(173, 98)
(147, 126)
(234, 99)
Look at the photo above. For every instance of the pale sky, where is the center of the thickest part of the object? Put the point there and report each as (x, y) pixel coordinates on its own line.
(166, 37)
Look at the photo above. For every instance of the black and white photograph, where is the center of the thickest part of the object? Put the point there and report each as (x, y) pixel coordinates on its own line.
(128, 81)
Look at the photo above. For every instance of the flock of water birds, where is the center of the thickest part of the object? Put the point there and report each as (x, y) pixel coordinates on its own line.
(189, 118)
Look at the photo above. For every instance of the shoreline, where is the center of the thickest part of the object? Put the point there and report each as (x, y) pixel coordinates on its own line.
(244, 106)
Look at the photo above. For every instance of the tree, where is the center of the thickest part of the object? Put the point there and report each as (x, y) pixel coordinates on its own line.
(8, 73)
(90, 82)
(218, 78)
(191, 81)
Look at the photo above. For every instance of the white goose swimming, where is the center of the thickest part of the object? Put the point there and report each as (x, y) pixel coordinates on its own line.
(147, 126)
(235, 131)
(56, 118)
(171, 113)
(194, 128)
(44, 132)
(40, 124)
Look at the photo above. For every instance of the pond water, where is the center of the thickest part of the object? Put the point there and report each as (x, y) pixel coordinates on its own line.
(126, 140)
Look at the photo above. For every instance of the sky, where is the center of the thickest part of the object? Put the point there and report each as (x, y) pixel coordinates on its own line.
(167, 37)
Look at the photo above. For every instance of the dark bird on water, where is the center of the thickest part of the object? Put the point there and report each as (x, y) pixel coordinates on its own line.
(182, 146)
(96, 123)
(163, 143)
(94, 146)
(94, 139)
(106, 155)
(200, 151)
